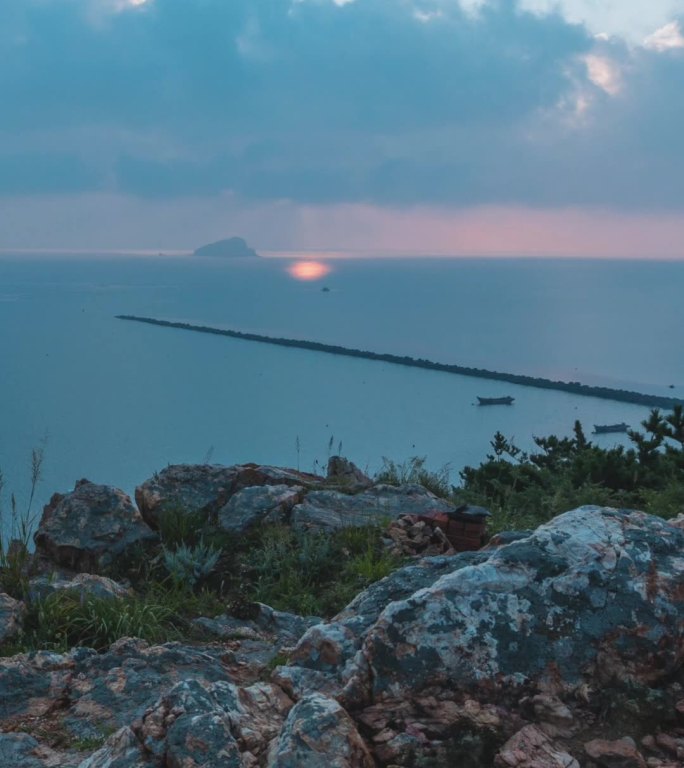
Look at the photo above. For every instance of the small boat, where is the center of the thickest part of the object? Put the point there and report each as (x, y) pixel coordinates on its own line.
(605, 429)
(495, 400)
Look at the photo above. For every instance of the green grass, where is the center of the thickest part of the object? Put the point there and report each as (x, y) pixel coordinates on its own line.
(315, 573)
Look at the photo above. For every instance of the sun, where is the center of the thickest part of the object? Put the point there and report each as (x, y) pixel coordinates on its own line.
(308, 270)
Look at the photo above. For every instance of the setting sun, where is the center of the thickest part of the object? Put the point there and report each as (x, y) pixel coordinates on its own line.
(308, 270)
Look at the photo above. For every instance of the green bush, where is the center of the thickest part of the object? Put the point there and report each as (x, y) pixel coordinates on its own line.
(523, 490)
(187, 565)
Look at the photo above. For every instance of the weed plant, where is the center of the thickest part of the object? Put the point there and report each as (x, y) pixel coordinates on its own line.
(414, 471)
(14, 547)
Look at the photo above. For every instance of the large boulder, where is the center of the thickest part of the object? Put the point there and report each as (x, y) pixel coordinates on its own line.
(587, 611)
(330, 510)
(202, 490)
(91, 528)
(596, 594)
(328, 647)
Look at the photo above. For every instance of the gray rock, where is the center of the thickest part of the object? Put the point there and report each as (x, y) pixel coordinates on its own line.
(11, 617)
(298, 682)
(218, 725)
(596, 594)
(507, 537)
(319, 732)
(17, 750)
(329, 646)
(201, 490)
(89, 529)
(20, 750)
(532, 748)
(121, 750)
(331, 510)
(188, 727)
(259, 505)
(82, 584)
(345, 473)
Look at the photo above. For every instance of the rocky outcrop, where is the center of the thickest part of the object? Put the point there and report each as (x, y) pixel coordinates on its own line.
(344, 473)
(594, 593)
(329, 647)
(331, 510)
(593, 598)
(90, 528)
(553, 649)
(202, 491)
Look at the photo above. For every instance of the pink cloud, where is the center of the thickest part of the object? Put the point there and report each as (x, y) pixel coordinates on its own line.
(495, 231)
(113, 222)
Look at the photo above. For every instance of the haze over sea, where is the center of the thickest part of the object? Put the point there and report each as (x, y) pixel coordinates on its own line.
(115, 401)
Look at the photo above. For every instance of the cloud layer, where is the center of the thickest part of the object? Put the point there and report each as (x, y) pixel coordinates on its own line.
(389, 102)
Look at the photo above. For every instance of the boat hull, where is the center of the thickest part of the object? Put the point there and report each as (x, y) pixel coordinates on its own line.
(607, 429)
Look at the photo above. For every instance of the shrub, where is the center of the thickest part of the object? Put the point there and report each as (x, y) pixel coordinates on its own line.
(190, 564)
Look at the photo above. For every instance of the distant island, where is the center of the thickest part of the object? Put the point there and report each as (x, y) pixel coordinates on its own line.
(232, 248)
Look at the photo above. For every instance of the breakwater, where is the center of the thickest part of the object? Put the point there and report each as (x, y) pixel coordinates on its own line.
(573, 387)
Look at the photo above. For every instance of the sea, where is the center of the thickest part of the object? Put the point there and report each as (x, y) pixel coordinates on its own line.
(115, 401)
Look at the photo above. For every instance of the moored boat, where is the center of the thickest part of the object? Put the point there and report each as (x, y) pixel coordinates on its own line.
(495, 400)
(604, 429)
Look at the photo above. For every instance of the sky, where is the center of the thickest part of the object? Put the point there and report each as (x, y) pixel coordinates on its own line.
(466, 127)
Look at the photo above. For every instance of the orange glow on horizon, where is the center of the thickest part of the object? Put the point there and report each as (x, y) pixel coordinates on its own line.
(309, 270)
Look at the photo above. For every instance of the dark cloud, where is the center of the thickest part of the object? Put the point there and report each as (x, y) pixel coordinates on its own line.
(320, 103)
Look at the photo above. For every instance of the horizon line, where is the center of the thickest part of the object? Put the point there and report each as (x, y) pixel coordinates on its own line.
(336, 254)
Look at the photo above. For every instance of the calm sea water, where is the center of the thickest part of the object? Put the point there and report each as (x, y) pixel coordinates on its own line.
(115, 401)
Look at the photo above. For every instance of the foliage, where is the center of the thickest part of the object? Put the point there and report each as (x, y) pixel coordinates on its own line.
(414, 471)
(190, 564)
(14, 550)
(66, 619)
(524, 490)
(314, 573)
(177, 526)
